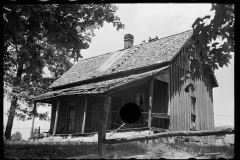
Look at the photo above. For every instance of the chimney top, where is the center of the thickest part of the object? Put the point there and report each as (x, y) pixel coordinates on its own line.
(154, 39)
(128, 41)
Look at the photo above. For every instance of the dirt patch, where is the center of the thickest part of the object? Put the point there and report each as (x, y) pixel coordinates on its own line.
(152, 151)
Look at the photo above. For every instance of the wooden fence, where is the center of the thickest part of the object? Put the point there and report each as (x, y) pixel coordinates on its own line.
(102, 139)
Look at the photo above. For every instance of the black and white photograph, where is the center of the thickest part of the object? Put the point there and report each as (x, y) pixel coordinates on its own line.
(118, 81)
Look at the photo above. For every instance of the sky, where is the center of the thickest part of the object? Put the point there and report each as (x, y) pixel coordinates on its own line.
(144, 21)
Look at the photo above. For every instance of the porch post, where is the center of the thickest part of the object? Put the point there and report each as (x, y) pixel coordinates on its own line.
(34, 111)
(84, 115)
(150, 103)
(56, 118)
(103, 127)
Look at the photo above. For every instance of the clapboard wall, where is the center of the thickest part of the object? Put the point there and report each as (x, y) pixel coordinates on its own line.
(180, 101)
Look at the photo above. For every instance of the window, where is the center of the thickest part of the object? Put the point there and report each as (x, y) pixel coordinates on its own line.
(140, 101)
(70, 116)
(193, 113)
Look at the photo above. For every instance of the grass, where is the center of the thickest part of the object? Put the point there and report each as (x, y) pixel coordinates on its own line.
(62, 150)
(30, 150)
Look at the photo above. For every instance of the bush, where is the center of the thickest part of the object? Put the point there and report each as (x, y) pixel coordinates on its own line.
(16, 136)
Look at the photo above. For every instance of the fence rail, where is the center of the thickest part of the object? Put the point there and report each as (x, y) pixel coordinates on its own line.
(168, 134)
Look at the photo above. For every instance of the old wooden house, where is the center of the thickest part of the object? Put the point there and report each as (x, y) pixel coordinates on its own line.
(147, 74)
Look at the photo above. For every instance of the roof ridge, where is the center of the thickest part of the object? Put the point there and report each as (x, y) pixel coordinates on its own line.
(133, 46)
(169, 36)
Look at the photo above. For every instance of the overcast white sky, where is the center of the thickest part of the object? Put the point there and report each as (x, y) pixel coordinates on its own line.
(144, 21)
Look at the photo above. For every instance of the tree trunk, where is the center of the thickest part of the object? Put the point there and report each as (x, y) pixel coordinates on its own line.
(11, 118)
(14, 100)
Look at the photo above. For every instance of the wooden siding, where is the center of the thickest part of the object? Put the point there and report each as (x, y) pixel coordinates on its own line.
(160, 103)
(180, 101)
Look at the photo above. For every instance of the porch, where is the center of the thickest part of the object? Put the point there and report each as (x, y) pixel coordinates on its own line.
(79, 115)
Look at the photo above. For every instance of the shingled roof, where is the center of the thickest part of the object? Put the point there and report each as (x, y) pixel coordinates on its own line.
(101, 87)
(142, 55)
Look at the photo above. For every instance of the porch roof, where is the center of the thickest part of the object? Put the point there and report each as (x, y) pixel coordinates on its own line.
(100, 87)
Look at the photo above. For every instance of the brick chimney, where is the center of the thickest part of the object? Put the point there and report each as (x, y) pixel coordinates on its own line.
(128, 41)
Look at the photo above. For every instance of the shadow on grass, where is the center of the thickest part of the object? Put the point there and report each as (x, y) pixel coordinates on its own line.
(29, 150)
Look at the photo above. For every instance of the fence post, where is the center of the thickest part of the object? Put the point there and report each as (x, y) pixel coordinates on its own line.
(103, 127)
(39, 131)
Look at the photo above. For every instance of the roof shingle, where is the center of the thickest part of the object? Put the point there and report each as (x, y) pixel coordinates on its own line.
(142, 55)
(100, 87)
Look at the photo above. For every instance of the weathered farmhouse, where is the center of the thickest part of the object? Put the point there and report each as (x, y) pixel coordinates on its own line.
(147, 74)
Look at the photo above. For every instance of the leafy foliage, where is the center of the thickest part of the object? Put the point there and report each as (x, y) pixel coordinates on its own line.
(39, 36)
(16, 136)
(212, 41)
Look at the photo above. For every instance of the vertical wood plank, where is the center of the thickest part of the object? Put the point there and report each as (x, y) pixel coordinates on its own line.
(189, 106)
(196, 106)
(150, 102)
(210, 107)
(184, 107)
(198, 92)
(209, 112)
(184, 102)
(180, 100)
(213, 124)
(103, 127)
(84, 114)
(174, 98)
(207, 105)
(34, 111)
(200, 106)
(171, 100)
(204, 108)
(56, 118)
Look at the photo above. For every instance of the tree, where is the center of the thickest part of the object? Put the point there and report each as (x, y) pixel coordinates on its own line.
(16, 136)
(45, 35)
(213, 41)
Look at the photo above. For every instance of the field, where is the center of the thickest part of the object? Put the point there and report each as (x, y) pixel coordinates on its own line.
(139, 150)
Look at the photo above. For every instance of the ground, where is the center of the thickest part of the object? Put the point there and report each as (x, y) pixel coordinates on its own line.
(86, 148)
